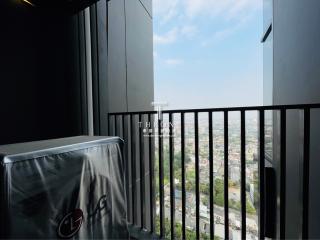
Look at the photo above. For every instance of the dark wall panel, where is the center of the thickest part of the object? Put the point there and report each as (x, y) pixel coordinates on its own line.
(139, 57)
(296, 81)
(130, 55)
(117, 86)
(102, 16)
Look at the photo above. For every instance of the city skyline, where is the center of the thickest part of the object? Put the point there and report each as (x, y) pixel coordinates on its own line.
(218, 166)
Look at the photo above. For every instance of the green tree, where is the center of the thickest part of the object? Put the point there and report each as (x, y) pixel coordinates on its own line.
(205, 188)
(190, 234)
(250, 208)
(189, 186)
(205, 200)
(219, 199)
(219, 186)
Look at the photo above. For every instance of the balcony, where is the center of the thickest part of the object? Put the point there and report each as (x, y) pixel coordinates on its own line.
(182, 164)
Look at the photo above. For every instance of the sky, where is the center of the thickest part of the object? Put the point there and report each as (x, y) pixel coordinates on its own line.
(207, 53)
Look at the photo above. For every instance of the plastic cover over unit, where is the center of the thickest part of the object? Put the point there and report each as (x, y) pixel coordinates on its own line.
(64, 188)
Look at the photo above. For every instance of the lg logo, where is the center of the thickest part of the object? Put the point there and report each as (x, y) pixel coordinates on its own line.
(102, 204)
(70, 224)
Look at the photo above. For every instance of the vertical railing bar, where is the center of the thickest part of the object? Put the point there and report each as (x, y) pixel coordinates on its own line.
(115, 125)
(226, 175)
(125, 138)
(283, 128)
(261, 173)
(172, 184)
(243, 174)
(211, 177)
(306, 172)
(196, 130)
(142, 171)
(161, 180)
(283, 120)
(109, 125)
(133, 167)
(151, 175)
(183, 176)
(123, 126)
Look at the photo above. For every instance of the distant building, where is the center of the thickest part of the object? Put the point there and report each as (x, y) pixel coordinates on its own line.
(251, 193)
(204, 211)
(234, 173)
(178, 194)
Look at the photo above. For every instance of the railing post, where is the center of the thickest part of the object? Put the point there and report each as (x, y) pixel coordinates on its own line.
(243, 175)
(261, 173)
(123, 126)
(151, 176)
(196, 142)
(306, 172)
(283, 156)
(211, 177)
(172, 183)
(115, 125)
(226, 175)
(133, 168)
(161, 181)
(142, 172)
(183, 177)
(125, 136)
(109, 124)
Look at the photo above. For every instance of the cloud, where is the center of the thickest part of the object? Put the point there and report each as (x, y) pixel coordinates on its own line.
(189, 30)
(174, 61)
(222, 34)
(166, 9)
(244, 7)
(185, 14)
(173, 35)
(195, 8)
(227, 8)
(167, 38)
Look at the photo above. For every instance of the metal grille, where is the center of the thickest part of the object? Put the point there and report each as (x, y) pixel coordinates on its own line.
(125, 124)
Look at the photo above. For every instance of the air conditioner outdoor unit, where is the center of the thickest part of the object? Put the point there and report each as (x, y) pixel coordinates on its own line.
(64, 188)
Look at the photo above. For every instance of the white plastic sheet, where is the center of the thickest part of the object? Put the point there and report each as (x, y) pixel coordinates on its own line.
(72, 191)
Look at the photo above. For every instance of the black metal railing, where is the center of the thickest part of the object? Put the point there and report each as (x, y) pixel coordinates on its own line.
(143, 148)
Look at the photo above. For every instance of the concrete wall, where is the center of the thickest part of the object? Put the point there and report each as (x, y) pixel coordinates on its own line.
(296, 80)
(130, 64)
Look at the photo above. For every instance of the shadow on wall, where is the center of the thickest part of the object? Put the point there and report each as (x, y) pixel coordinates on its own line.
(40, 94)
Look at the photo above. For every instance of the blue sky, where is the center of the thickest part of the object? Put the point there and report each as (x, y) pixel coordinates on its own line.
(207, 53)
